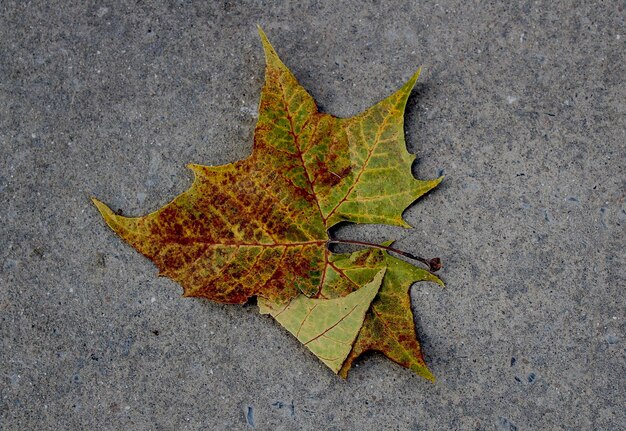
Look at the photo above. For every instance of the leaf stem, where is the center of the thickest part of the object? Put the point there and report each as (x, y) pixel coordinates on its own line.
(433, 264)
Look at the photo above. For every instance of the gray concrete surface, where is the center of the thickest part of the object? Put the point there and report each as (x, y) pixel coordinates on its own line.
(521, 105)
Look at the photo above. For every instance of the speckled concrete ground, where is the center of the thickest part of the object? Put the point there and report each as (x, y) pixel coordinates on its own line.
(521, 106)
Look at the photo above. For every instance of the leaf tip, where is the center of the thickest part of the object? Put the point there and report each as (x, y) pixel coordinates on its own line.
(270, 52)
(415, 76)
(195, 168)
(402, 95)
(423, 371)
(425, 186)
(410, 84)
(102, 207)
(261, 32)
(404, 224)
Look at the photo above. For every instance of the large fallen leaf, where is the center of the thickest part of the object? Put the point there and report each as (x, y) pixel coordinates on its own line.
(259, 226)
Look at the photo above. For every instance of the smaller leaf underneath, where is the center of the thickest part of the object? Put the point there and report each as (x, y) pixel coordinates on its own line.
(327, 327)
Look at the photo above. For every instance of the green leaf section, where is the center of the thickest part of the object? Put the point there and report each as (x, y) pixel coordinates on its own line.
(389, 327)
(327, 327)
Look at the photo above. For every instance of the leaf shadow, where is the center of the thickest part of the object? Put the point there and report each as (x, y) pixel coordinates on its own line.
(372, 233)
(413, 129)
(412, 112)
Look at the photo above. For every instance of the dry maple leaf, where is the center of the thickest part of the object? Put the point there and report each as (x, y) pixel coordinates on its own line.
(259, 226)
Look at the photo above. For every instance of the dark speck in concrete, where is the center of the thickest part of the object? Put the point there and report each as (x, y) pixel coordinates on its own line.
(126, 345)
(505, 424)
(546, 216)
(291, 406)
(250, 416)
(38, 252)
(101, 261)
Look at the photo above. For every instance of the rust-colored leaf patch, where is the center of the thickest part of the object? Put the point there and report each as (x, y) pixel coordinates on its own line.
(259, 227)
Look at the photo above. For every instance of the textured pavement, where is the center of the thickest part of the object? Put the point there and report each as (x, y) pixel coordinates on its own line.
(521, 106)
